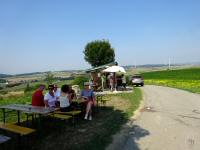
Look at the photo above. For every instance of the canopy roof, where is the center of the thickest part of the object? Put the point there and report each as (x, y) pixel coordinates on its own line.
(115, 69)
(99, 68)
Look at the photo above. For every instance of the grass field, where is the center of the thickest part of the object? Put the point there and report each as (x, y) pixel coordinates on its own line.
(87, 135)
(186, 79)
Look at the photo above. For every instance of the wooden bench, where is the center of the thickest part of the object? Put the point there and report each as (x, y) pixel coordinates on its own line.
(16, 129)
(60, 116)
(104, 100)
(71, 113)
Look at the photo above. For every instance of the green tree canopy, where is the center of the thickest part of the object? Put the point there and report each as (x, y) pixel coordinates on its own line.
(99, 53)
(49, 78)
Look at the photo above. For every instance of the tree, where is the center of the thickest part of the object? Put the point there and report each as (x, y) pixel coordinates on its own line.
(99, 53)
(49, 78)
(79, 80)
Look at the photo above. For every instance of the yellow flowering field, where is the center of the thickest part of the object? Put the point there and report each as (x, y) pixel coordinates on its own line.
(186, 79)
(189, 85)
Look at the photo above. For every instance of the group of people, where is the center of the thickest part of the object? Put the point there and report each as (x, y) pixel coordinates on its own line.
(63, 98)
(113, 81)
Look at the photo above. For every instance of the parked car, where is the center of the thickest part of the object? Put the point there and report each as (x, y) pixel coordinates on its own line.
(137, 80)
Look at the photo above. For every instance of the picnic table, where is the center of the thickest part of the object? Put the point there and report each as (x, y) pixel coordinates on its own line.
(27, 109)
(100, 96)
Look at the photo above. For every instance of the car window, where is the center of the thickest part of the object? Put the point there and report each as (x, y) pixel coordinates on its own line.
(137, 77)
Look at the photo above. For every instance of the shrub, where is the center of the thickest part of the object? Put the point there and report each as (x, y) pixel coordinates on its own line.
(13, 84)
(32, 88)
(79, 80)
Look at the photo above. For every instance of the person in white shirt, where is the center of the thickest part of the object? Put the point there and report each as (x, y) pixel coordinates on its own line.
(56, 92)
(65, 99)
(50, 98)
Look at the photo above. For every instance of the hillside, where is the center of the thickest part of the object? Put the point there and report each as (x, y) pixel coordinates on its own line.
(4, 75)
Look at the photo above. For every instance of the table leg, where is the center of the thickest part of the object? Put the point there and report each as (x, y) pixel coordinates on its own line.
(4, 115)
(39, 123)
(18, 117)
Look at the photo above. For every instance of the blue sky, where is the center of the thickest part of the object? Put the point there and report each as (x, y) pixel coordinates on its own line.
(44, 35)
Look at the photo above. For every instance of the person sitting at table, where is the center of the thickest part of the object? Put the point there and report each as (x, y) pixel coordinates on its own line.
(72, 93)
(38, 97)
(65, 99)
(57, 94)
(56, 91)
(88, 99)
(50, 98)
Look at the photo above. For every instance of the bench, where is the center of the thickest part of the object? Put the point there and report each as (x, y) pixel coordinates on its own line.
(16, 129)
(60, 116)
(104, 100)
(70, 113)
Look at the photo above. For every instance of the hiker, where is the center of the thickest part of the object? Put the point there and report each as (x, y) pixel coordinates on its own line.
(50, 98)
(38, 97)
(88, 99)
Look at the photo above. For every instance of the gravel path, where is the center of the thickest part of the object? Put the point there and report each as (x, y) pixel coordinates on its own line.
(169, 120)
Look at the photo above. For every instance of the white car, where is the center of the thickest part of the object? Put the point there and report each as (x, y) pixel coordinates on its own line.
(137, 80)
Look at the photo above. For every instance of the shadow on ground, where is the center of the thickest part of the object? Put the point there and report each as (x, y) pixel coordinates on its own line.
(135, 133)
(62, 135)
(86, 135)
(128, 137)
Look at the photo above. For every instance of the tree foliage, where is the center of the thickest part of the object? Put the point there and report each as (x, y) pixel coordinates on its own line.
(99, 53)
(49, 78)
(79, 80)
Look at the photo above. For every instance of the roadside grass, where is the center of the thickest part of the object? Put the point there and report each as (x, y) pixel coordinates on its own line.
(186, 79)
(134, 99)
(89, 135)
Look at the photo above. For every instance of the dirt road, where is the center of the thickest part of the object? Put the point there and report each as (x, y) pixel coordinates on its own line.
(170, 120)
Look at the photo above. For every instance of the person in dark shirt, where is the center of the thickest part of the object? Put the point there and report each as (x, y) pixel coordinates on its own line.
(38, 97)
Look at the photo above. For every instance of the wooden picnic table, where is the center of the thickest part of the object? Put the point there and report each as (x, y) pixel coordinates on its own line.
(27, 109)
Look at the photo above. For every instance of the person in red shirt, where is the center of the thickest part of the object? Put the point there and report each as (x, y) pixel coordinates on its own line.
(38, 97)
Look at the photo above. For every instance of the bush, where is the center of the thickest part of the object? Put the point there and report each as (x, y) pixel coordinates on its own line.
(32, 88)
(3, 92)
(128, 79)
(13, 84)
(2, 81)
(79, 80)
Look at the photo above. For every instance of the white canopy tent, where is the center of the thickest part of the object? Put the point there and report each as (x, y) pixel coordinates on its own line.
(115, 69)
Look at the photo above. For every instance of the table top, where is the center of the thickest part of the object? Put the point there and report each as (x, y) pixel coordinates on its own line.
(29, 108)
(100, 93)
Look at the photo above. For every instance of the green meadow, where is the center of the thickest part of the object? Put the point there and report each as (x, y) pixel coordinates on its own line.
(186, 79)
